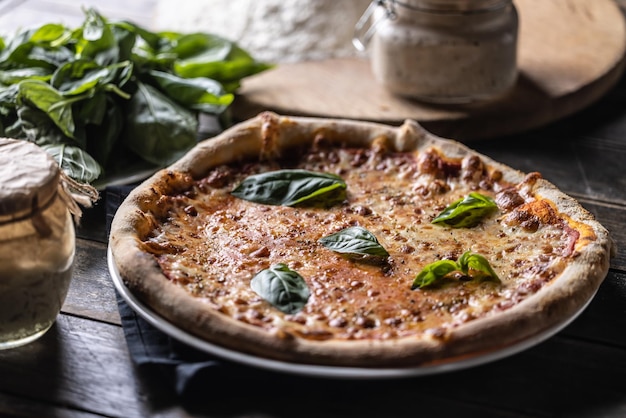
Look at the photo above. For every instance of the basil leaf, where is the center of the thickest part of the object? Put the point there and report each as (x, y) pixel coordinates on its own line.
(23, 51)
(29, 48)
(477, 267)
(467, 212)
(284, 288)
(15, 48)
(75, 162)
(199, 93)
(35, 126)
(354, 240)
(19, 74)
(105, 132)
(48, 99)
(49, 33)
(83, 76)
(152, 39)
(92, 110)
(207, 55)
(97, 40)
(433, 272)
(158, 129)
(471, 265)
(44, 57)
(288, 187)
(192, 45)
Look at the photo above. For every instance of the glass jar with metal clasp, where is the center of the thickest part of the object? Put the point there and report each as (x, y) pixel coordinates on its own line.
(442, 51)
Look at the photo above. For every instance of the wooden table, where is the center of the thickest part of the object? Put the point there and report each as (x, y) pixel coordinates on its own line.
(82, 366)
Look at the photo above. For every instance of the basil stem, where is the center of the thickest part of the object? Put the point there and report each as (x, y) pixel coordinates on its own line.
(354, 240)
(284, 288)
(289, 187)
(471, 265)
(467, 212)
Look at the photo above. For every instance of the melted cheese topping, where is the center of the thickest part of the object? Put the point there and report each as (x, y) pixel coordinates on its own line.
(212, 244)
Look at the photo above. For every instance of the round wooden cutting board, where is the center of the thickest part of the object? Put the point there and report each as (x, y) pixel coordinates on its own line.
(571, 52)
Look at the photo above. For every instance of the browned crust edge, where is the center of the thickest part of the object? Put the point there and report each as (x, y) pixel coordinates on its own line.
(551, 306)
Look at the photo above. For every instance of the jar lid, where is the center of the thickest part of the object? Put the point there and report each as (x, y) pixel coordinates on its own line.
(29, 177)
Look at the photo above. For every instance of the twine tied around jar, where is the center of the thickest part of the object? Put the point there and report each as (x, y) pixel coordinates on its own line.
(75, 195)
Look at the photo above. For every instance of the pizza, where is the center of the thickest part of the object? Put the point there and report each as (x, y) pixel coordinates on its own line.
(357, 244)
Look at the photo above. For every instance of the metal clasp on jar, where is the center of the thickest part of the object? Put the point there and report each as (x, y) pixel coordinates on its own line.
(365, 29)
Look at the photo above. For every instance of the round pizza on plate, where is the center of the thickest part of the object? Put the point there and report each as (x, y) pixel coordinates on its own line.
(355, 244)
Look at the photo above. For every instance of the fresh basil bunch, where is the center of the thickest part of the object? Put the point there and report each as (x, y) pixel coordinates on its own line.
(107, 95)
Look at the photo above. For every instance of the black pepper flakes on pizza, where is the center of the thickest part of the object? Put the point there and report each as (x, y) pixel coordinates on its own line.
(346, 243)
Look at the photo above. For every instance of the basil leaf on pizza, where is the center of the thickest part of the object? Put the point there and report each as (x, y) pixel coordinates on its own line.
(354, 240)
(476, 266)
(284, 288)
(470, 265)
(433, 272)
(467, 212)
(289, 187)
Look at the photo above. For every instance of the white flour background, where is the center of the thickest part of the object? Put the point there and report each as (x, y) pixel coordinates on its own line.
(271, 30)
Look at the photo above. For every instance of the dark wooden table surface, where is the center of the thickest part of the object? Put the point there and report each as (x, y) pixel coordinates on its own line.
(82, 366)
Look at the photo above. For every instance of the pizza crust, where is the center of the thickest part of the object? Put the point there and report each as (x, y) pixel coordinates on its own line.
(265, 136)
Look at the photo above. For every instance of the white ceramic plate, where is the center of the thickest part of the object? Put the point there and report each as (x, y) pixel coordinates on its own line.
(319, 370)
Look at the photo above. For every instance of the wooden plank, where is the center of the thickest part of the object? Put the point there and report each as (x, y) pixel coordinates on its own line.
(13, 406)
(561, 377)
(314, 398)
(604, 320)
(91, 292)
(81, 368)
(585, 164)
(79, 364)
(93, 222)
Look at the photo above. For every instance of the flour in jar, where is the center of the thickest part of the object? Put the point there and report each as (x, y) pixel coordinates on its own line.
(30, 302)
(35, 274)
(446, 52)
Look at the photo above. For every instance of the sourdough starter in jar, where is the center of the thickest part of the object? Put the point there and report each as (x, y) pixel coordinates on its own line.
(445, 51)
(36, 242)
